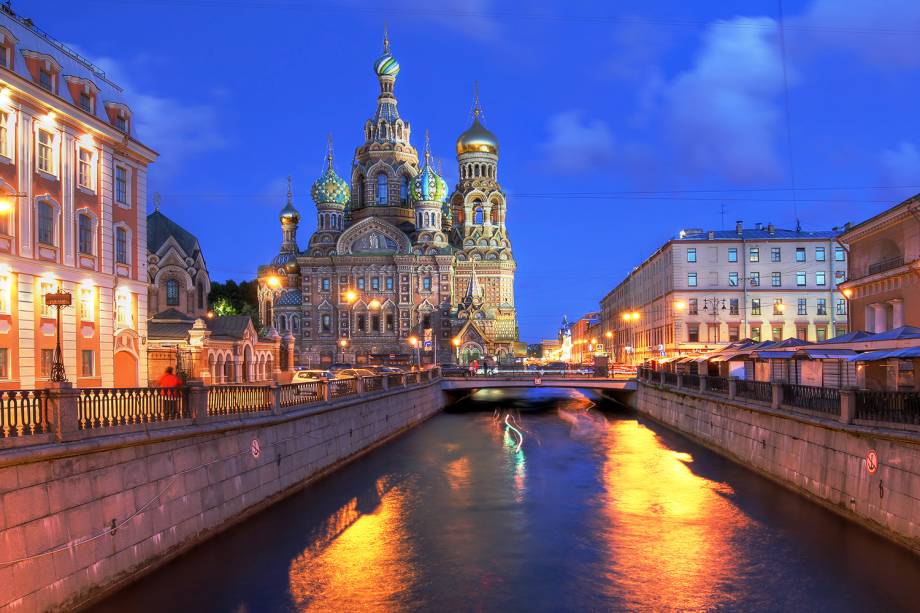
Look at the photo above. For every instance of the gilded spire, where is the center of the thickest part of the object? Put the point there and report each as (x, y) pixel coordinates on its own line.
(290, 195)
(427, 148)
(477, 110)
(386, 39)
(329, 152)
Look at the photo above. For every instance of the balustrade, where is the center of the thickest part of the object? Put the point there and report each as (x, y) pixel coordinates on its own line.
(891, 407)
(108, 407)
(754, 390)
(23, 412)
(820, 399)
(232, 399)
(301, 393)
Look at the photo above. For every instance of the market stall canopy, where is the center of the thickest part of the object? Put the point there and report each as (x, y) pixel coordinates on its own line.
(849, 337)
(897, 334)
(824, 354)
(773, 355)
(906, 353)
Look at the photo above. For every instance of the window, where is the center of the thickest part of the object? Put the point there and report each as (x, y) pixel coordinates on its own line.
(121, 246)
(375, 283)
(755, 306)
(121, 123)
(404, 190)
(4, 56)
(47, 358)
(375, 323)
(4, 363)
(733, 333)
(390, 322)
(800, 279)
(691, 254)
(754, 254)
(45, 152)
(326, 322)
(87, 304)
(778, 306)
(45, 223)
(775, 254)
(86, 103)
(777, 333)
(755, 334)
(361, 283)
(121, 185)
(693, 333)
(732, 254)
(426, 283)
(839, 254)
(693, 307)
(840, 331)
(325, 284)
(123, 307)
(841, 307)
(85, 168)
(820, 278)
(381, 188)
(776, 279)
(819, 254)
(87, 363)
(755, 279)
(389, 283)
(362, 323)
(802, 307)
(821, 333)
(691, 279)
(801, 333)
(800, 254)
(822, 306)
(6, 294)
(733, 279)
(4, 135)
(426, 321)
(733, 307)
(172, 292)
(45, 80)
(46, 286)
(85, 234)
(477, 215)
(839, 276)
(712, 332)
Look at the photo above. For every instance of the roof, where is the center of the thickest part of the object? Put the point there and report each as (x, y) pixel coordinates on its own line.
(290, 297)
(750, 234)
(160, 228)
(172, 315)
(31, 38)
(168, 329)
(884, 354)
(849, 337)
(232, 326)
(897, 334)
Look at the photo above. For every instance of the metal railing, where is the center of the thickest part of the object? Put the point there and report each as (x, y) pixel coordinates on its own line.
(108, 407)
(883, 265)
(691, 382)
(820, 399)
(394, 380)
(23, 412)
(754, 390)
(342, 387)
(373, 384)
(718, 385)
(232, 399)
(293, 394)
(893, 407)
(670, 378)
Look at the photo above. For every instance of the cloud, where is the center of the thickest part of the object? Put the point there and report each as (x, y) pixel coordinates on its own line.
(638, 46)
(576, 144)
(901, 165)
(723, 114)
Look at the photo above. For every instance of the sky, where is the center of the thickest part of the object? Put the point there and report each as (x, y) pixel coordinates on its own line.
(620, 123)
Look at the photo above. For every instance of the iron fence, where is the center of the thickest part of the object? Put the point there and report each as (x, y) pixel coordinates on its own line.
(820, 399)
(108, 407)
(373, 384)
(718, 385)
(394, 380)
(670, 378)
(754, 390)
(342, 387)
(23, 412)
(301, 393)
(232, 399)
(690, 381)
(892, 407)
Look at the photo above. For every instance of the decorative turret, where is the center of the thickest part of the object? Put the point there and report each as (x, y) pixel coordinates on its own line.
(331, 194)
(386, 126)
(289, 218)
(429, 193)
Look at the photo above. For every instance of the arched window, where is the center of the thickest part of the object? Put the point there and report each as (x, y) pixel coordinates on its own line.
(476, 170)
(381, 188)
(477, 215)
(361, 192)
(85, 234)
(172, 292)
(404, 190)
(45, 223)
(427, 219)
(200, 295)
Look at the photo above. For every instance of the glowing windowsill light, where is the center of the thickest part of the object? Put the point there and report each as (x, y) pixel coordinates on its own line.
(374, 304)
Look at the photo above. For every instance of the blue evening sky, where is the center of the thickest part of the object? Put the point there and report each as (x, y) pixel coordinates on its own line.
(620, 123)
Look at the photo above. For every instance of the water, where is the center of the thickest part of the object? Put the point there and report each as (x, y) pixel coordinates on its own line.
(598, 509)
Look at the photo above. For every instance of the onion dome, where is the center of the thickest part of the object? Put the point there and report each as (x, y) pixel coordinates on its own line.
(386, 65)
(289, 213)
(428, 186)
(477, 139)
(330, 188)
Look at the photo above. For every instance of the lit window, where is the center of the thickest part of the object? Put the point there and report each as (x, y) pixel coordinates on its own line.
(693, 307)
(87, 363)
(778, 306)
(123, 308)
(4, 363)
(121, 185)
(47, 358)
(381, 189)
(4, 135)
(819, 254)
(755, 254)
(172, 292)
(85, 234)
(85, 169)
(87, 304)
(6, 293)
(691, 254)
(45, 152)
(732, 254)
(121, 246)
(800, 279)
(45, 287)
(755, 333)
(691, 279)
(800, 254)
(820, 278)
(45, 223)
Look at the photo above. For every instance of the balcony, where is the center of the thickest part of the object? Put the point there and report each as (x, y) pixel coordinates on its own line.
(886, 264)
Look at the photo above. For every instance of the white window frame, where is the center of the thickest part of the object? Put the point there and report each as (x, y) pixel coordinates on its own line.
(128, 174)
(55, 221)
(91, 167)
(46, 286)
(7, 138)
(87, 297)
(94, 228)
(123, 316)
(55, 157)
(128, 242)
(6, 292)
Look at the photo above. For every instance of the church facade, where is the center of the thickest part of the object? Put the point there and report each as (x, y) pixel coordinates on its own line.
(398, 267)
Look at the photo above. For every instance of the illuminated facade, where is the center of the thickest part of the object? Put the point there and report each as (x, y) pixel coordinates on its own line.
(73, 183)
(394, 260)
(703, 290)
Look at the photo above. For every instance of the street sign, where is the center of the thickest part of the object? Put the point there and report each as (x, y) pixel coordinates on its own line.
(58, 299)
(427, 343)
(537, 380)
(872, 461)
(255, 448)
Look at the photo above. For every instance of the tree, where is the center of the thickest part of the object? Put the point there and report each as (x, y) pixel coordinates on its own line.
(232, 298)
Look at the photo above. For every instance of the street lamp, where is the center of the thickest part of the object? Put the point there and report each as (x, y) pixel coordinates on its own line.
(413, 340)
(59, 300)
(343, 343)
(274, 283)
(456, 343)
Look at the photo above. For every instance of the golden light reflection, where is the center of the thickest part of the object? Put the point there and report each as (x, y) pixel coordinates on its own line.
(669, 532)
(362, 562)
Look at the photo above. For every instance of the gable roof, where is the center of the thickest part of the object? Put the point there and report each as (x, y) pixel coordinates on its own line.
(232, 326)
(160, 228)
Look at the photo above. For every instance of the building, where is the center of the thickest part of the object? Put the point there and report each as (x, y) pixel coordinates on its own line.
(705, 289)
(587, 338)
(397, 268)
(73, 183)
(884, 283)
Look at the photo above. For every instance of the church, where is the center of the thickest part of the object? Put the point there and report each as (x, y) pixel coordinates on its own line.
(398, 267)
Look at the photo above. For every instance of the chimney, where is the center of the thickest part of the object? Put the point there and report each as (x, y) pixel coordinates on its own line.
(739, 227)
(712, 234)
(771, 229)
(758, 225)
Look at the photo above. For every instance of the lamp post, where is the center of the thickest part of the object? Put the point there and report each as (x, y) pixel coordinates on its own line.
(274, 284)
(343, 343)
(456, 343)
(350, 297)
(413, 340)
(58, 300)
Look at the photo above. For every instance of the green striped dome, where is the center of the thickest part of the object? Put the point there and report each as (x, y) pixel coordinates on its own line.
(428, 186)
(386, 65)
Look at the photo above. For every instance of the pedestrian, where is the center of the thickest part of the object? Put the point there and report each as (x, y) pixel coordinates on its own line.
(169, 385)
(474, 367)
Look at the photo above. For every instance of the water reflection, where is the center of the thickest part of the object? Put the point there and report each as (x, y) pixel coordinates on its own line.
(361, 561)
(669, 532)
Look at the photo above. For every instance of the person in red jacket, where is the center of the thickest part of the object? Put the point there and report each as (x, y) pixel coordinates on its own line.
(169, 384)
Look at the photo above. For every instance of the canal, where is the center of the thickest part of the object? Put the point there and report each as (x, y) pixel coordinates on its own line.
(537, 500)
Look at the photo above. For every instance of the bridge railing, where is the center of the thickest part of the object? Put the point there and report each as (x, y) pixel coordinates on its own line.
(23, 413)
(109, 407)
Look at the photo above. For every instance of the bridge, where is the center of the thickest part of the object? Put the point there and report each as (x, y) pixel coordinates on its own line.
(534, 379)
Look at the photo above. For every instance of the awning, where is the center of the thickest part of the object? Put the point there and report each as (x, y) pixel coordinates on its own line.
(884, 354)
(726, 357)
(824, 354)
(772, 355)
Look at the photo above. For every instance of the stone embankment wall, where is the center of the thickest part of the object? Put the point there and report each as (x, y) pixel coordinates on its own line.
(820, 458)
(79, 519)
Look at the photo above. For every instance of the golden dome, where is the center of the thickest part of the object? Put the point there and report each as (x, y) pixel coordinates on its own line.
(476, 139)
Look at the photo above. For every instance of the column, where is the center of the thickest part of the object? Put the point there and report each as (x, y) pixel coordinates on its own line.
(870, 318)
(897, 312)
(881, 317)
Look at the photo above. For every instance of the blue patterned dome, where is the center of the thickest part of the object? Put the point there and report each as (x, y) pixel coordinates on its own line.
(386, 65)
(330, 188)
(428, 186)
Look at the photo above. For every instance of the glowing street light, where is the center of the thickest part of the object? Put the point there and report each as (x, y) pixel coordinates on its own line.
(608, 334)
(350, 296)
(343, 343)
(456, 343)
(680, 305)
(635, 315)
(413, 340)
(274, 281)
